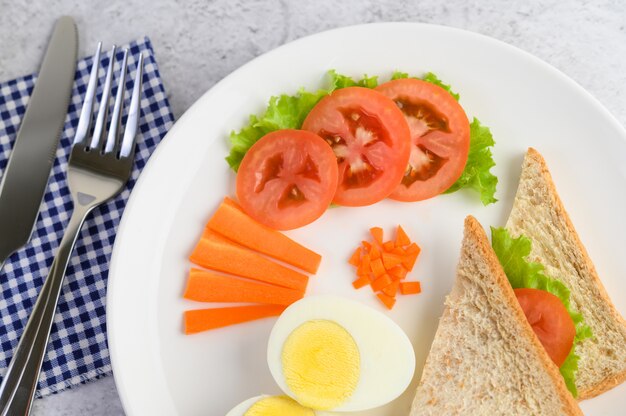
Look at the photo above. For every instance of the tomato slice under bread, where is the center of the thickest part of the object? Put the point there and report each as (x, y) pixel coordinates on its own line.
(370, 139)
(287, 179)
(550, 321)
(440, 137)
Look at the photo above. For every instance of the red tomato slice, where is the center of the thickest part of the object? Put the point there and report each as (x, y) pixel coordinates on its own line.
(550, 321)
(370, 139)
(287, 179)
(439, 137)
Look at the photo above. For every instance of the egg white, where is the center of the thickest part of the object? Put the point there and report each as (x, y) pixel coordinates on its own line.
(386, 355)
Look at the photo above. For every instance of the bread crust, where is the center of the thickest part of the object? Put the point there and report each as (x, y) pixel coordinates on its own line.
(475, 231)
(611, 380)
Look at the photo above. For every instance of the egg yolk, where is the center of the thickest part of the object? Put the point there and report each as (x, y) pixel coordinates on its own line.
(278, 406)
(321, 364)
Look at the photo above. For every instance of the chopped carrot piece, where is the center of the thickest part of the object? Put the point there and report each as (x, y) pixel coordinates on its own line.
(355, 260)
(381, 282)
(366, 245)
(204, 319)
(391, 260)
(364, 268)
(391, 289)
(205, 286)
(402, 239)
(388, 246)
(397, 273)
(410, 288)
(377, 233)
(374, 252)
(413, 248)
(377, 267)
(388, 301)
(409, 261)
(231, 222)
(361, 281)
(237, 260)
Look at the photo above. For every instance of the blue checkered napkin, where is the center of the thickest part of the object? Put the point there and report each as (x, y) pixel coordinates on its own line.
(78, 349)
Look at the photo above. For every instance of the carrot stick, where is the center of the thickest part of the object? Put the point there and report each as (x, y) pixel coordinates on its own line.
(205, 286)
(234, 224)
(240, 261)
(204, 319)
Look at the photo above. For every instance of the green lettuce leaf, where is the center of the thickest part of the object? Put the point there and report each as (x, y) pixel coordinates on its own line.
(283, 112)
(476, 174)
(512, 254)
(338, 81)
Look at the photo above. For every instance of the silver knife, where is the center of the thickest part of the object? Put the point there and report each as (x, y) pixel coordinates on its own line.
(26, 176)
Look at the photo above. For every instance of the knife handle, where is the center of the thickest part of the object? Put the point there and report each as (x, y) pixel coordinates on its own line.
(20, 381)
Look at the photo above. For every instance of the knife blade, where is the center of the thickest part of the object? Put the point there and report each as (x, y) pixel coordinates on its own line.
(26, 176)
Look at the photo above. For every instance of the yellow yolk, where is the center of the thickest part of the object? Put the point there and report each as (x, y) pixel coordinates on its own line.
(321, 364)
(278, 406)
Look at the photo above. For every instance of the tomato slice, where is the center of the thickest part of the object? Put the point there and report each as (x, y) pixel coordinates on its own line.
(439, 137)
(287, 179)
(370, 139)
(550, 320)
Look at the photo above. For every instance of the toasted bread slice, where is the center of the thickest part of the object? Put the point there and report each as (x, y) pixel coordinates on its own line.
(485, 358)
(538, 213)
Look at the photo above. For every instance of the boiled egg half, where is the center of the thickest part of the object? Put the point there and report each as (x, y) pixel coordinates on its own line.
(332, 353)
(272, 406)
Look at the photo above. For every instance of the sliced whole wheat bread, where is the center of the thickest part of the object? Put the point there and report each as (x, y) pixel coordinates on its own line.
(485, 358)
(538, 213)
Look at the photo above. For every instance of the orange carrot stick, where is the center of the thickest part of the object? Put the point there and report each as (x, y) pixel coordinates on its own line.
(240, 261)
(204, 319)
(205, 286)
(234, 224)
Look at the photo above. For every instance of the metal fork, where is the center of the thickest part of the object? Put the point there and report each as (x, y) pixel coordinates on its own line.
(98, 169)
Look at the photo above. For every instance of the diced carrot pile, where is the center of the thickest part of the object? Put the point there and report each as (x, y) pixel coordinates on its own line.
(240, 248)
(384, 265)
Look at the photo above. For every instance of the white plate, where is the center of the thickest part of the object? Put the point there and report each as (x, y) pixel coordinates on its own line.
(160, 371)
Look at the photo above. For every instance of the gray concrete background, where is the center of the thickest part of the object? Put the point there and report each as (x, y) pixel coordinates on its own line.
(197, 43)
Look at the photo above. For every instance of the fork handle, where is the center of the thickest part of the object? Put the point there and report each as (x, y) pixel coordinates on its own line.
(20, 381)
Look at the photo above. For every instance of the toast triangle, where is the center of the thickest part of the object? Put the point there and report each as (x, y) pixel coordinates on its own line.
(485, 358)
(538, 213)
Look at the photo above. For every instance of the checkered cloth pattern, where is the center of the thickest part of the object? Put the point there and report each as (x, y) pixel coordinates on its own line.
(77, 350)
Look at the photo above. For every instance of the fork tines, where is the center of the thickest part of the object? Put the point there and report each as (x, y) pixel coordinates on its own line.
(107, 141)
